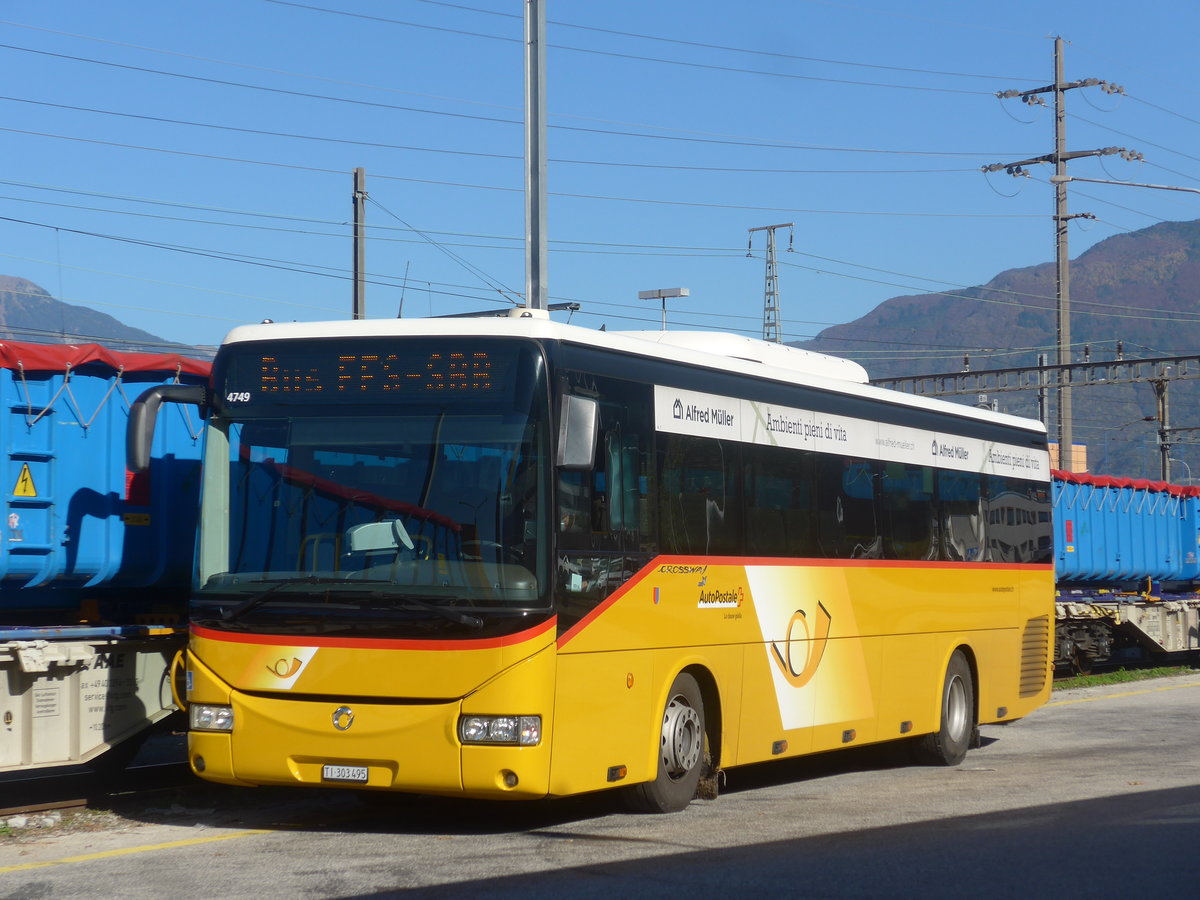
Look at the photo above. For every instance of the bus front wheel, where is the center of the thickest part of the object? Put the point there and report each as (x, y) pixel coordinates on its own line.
(948, 745)
(681, 752)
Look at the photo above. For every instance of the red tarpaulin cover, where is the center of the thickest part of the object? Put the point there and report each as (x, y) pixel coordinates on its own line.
(59, 357)
(1137, 484)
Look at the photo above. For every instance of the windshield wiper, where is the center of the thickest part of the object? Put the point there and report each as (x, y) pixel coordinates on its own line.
(257, 600)
(448, 612)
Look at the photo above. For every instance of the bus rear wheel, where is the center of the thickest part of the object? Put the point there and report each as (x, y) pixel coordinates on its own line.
(948, 745)
(681, 752)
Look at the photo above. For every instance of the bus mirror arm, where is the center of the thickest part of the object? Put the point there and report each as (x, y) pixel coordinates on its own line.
(577, 424)
(143, 413)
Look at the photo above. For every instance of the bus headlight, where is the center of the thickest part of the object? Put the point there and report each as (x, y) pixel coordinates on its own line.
(205, 717)
(524, 731)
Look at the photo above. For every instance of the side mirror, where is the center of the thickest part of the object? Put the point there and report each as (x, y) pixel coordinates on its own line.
(577, 425)
(143, 413)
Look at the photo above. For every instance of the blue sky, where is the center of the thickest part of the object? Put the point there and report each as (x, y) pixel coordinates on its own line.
(186, 166)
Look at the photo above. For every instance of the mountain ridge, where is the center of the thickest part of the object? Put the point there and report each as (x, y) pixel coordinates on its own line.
(1120, 288)
(28, 312)
(1136, 294)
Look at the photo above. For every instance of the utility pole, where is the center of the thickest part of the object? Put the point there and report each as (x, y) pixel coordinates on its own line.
(359, 306)
(535, 155)
(1041, 391)
(1162, 411)
(1062, 259)
(771, 324)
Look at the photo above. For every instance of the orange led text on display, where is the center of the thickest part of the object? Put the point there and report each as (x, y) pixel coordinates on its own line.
(450, 371)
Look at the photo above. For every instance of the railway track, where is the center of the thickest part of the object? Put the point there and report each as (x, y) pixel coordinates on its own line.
(78, 787)
(156, 762)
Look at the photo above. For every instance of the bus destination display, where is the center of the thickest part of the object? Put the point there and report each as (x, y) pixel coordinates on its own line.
(329, 374)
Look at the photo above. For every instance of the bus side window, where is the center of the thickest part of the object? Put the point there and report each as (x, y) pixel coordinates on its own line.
(606, 526)
(963, 521)
(780, 515)
(1019, 521)
(608, 507)
(1013, 505)
(847, 524)
(1043, 551)
(626, 484)
(574, 502)
(907, 511)
(700, 505)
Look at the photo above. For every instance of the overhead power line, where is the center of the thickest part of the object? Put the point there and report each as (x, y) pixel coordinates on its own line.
(342, 274)
(392, 90)
(425, 236)
(690, 138)
(509, 295)
(705, 46)
(500, 156)
(485, 187)
(629, 56)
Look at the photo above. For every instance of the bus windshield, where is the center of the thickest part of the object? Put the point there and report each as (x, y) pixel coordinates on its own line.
(421, 506)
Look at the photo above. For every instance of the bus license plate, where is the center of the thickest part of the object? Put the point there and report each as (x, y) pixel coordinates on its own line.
(344, 773)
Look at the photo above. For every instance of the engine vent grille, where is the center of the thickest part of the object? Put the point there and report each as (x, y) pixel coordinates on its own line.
(1035, 656)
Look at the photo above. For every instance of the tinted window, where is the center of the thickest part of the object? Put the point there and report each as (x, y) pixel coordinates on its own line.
(607, 526)
(699, 497)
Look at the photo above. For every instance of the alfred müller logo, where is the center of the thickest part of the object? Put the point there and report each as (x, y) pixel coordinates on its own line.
(950, 451)
(703, 415)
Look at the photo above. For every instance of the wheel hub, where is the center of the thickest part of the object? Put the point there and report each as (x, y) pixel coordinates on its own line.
(681, 737)
(957, 714)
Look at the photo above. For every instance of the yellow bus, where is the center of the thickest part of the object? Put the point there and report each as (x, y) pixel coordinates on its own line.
(512, 558)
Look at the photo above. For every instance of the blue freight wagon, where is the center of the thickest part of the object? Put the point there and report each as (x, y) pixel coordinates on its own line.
(1127, 559)
(95, 565)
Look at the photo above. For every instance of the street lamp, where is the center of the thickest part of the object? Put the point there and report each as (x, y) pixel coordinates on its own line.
(1063, 179)
(663, 294)
(1186, 466)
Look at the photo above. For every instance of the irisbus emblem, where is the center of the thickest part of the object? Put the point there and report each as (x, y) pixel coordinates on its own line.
(343, 718)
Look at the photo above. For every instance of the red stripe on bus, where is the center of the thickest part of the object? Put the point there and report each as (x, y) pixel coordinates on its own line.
(283, 640)
(605, 604)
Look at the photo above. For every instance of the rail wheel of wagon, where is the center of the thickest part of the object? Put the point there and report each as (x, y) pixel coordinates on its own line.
(1081, 663)
(948, 745)
(681, 752)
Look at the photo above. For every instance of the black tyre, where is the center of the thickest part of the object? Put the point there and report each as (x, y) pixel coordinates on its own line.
(681, 754)
(948, 745)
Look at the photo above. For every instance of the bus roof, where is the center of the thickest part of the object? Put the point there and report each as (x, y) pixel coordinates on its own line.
(711, 350)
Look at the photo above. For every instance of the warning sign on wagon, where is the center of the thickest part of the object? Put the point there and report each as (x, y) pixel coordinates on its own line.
(25, 486)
